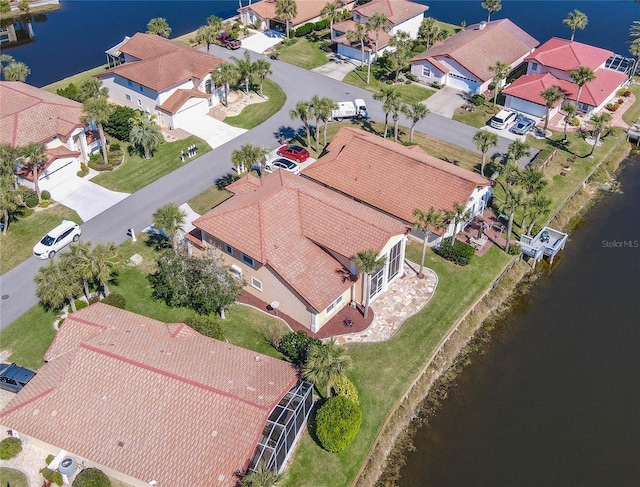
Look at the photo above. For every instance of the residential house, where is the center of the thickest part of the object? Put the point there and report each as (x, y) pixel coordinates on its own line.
(294, 242)
(551, 65)
(153, 403)
(262, 14)
(463, 60)
(396, 179)
(32, 115)
(162, 78)
(403, 15)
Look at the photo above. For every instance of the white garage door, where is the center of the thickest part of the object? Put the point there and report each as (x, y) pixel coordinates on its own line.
(461, 82)
(524, 106)
(59, 172)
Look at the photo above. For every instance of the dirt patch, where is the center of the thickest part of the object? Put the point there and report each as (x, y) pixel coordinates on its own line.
(237, 102)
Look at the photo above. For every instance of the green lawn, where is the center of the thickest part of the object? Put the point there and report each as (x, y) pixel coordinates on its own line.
(136, 172)
(76, 79)
(12, 477)
(254, 115)
(304, 53)
(479, 117)
(29, 336)
(24, 233)
(409, 93)
(208, 199)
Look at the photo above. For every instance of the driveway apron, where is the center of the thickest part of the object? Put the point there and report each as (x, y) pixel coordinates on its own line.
(214, 132)
(86, 198)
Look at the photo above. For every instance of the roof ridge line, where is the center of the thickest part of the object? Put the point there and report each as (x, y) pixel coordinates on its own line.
(28, 401)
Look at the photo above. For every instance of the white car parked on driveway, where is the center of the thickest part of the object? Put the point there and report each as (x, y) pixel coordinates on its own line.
(282, 163)
(503, 119)
(57, 239)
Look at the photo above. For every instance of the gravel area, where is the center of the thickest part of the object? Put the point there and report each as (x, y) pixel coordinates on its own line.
(29, 461)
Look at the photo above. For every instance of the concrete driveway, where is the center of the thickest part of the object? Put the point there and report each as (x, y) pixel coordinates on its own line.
(335, 68)
(261, 41)
(445, 101)
(214, 132)
(86, 198)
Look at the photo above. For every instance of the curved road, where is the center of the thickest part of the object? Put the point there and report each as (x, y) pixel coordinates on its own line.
(17, 287)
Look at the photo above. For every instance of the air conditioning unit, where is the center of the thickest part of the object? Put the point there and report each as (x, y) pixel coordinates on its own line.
(353, 304)
(67, 466)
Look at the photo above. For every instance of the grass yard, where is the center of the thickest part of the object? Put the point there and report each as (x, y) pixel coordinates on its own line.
(633, 113)
(12, 477)
(254, 115)
(76, 79)
(29, 336)
(304, 53)
(409, 93)
(478, 118)
(136, 171)
(208, 199)
(24, 233)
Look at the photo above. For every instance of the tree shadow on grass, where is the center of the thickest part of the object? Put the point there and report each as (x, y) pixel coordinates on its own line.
(158, 242)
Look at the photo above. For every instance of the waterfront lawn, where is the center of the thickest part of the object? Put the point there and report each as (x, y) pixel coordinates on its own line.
(408, 93)
(633, 114)
(136, 172)
(76, 79)
(253, 115)
(25, 232)
(304, 53)
(384, 371)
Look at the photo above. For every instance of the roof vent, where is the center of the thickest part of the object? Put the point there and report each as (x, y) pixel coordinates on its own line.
(67, 466)
(482, 25)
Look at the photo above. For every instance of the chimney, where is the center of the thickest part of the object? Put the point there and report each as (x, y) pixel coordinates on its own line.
(482, 25)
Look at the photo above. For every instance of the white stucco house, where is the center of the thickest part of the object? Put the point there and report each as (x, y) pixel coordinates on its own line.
(162, 78)
(403, 16)
(462, 61)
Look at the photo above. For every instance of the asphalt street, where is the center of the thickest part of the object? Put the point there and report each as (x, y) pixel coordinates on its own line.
(17, 287)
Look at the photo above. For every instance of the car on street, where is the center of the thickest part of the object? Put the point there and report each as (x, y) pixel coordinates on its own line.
(13, 377)
(523, 125)
(293, 152)
(281, 163)
(503, 119)
(57, 239)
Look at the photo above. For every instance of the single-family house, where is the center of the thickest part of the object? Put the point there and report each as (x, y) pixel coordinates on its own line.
(162, 78)
(294, 242)
(552, 64)
(153, 403)
(32, 115)
(262, 14)
(463, 60)
(403, 15)
(396, 179)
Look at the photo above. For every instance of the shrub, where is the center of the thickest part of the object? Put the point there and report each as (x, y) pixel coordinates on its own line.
(31, 201)
(115, 146)
(389, 81)
(514, 249)
(81, 174)
(411, 76)
(71, 92)
(459, 252)
(321, 25)
(119, 123)
(620, 101)
(226, 180)
(344, 387)
(337, 423)
(52, 476)
(115, 299)
(295, 346)
(80, 304)
(91, 477)
(436, 85)
(83, 167)
(49, 459)
(206, 326)
(303, 30)
(45, 195)
(9, 448)
(575, 122)
(45, 203)
(612, 107)
(477, 99)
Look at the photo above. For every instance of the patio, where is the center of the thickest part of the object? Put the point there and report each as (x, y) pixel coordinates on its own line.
(482, 232)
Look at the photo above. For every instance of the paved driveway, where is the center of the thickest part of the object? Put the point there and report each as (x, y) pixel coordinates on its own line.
(261, 41)
(445, 101)
(336, 69)
(215, 132)
(86, 198)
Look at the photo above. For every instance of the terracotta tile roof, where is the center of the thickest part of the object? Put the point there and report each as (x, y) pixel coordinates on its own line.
(383, 37)
(29, 114)
(397, 11)
(179, 98)
(391, 177)
(163, 63)
(476, 49)
(568, 55)
(154, 401)
(289, 222)
(307, 9)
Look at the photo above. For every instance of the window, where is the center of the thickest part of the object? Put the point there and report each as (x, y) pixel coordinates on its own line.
(130, 83)
(394, 260)
(139, 102)
(333, 305)
(128, 97)
(140, 88)
(534, 66)
(248, 260)
(256, 283)
(236, 271)
(228, 249)
(426, 71)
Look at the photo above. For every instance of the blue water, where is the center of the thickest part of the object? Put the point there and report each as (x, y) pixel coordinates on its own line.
(74, 38)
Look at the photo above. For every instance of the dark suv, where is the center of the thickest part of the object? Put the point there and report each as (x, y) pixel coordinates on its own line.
(13, 377)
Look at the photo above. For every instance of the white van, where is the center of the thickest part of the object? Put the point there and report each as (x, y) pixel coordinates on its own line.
(503, 119)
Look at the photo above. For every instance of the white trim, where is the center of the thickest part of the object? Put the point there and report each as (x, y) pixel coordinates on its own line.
(256, 283)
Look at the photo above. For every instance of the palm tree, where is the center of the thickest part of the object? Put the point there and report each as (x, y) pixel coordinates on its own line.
(570, 111)
(79, 261)
(575, 20)
(302, 111)
(368, 262)
(245, 69)
(325, 363)
(416, 111)
(286, 10)
(539, 206)
(36, 157)
(246, 156)
(262, 69)
(5, 59)
(226, 74)
(581, 77)
(599, 122)
(10, 200)
(425, 221)
(551, 96)
(634, 49)
(16, 71)
(55, 286)
(208, 34)
(512, 173)
(8, 155)
(145, 134)
(106, 261)
(634, 32)
(514, 198)
(332, 13)
(516, 150)
(171, 219)
(159, 26)
(395, 107)
(459, 214)
(377, 23)
(484, 140)
(261, 476)
(317, 111)
(326, 107)
(98, 110)
(402, 43)
(532, 180)
(500, 71)
(92, 88)
(428, 31)
(360, 34)
(491, 6)
(389, 95)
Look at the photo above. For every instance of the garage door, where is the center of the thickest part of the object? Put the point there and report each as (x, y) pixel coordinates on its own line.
(524, 106)
(194, 108)
(59, 172)
(461, 82)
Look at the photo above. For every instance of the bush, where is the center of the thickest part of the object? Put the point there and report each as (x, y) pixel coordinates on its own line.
(344, 387)
(45, 203)
(31, 201)
(45, 195)
(515, 249)
(612, 107)
(477, 99)
(295, 346)
(206, 326)
(49, 459)
(115, 299)
(337, 423)
(321, 25)
(52, 476)
(91, 477)
(460, 253)
(119, 123)
(436, 85)
(9, 448)
(407, 81)
(303, 30)
(82, 174)
(575, 122)
(620, 101)
(115, 146)
(80, 304)
(94, 299)
(411, 76)
(71, 92)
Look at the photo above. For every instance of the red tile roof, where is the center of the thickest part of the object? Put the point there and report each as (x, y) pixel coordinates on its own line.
(307, 9)
(383, 37)
(476, 49)
(287, 223)
(163, 63)
(568, 55)
(390, 176)
(179, 98)
(152, 400)
(29, 114)
(397, 11)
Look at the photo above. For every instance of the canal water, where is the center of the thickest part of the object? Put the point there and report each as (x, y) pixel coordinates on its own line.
(554, 400)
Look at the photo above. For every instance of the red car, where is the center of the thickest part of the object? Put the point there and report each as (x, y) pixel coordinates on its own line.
(294, 152)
